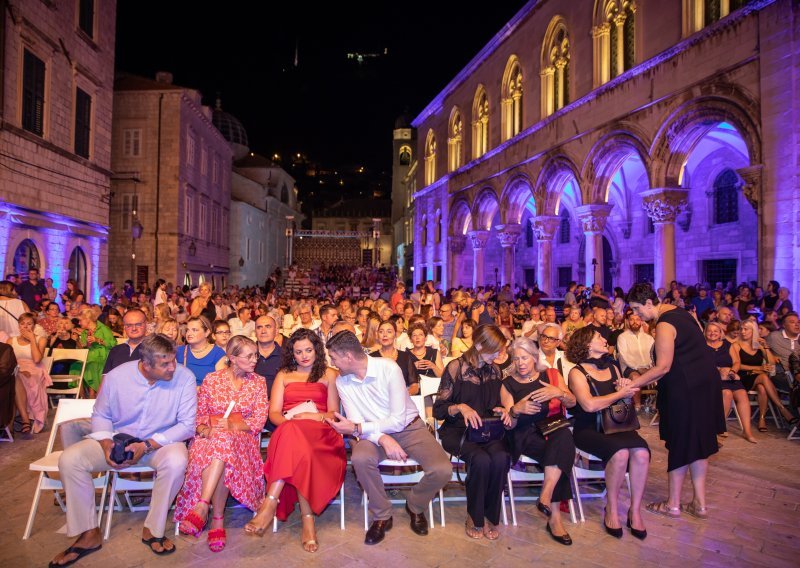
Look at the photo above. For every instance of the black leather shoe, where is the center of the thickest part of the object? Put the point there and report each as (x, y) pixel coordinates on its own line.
(564, 539)
(544, 509)
(377, 530)
(640, 534)
(419, 524)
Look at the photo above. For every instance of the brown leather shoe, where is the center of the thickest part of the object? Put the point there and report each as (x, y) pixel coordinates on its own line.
(377, 530)
(419, 524)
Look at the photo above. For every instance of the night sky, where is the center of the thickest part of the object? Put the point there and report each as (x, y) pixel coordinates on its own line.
(333, 110)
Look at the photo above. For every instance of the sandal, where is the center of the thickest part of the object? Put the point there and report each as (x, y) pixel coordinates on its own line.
(310, 545)
(160, 540)
(662, 508)
(193, 524)
(762, 423)
(251, 529)
(217, 538)
(471, 530)
(81, 552)
(25, 432)
(490, 531)
(694, 510)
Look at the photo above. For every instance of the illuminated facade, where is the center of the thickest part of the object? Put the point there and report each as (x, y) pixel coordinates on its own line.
(615, 141)
(55, 139)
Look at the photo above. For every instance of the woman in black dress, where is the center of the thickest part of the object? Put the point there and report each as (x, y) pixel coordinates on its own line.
(470, 392)
(531, 393)
(726, 359)
(386, 336)
(689, 404)
(426, 360)
(595, 381)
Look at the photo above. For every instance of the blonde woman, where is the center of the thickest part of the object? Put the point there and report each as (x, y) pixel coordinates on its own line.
(757, 363)
(202, 304)
(171, 329)
(370, 341)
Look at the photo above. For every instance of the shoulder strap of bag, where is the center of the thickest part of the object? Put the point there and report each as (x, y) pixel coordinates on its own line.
(560, 367)
(9, 313)
(185, 353)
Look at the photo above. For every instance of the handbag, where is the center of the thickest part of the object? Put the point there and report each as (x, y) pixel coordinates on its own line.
(306, 406)
(556, 420)
(619, 417)
(118, 453)
(491, 430)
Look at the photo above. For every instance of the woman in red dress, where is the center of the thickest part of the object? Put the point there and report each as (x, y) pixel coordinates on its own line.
(305, 459)
(225, 453)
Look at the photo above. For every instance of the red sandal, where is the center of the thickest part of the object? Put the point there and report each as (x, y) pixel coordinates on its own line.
(194, 521)
(217, 538)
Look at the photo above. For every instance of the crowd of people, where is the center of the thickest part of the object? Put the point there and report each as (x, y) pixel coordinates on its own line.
(204, 373)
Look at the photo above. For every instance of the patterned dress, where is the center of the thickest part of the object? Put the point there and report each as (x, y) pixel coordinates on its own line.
(239, 450)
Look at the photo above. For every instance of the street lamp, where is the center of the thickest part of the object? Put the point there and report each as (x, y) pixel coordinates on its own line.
(136, 233)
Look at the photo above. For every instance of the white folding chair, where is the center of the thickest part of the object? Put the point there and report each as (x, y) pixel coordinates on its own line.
(527, 477)
(402, 479)
(5, 434)
(68, 410)
(753, 396)
(428, 386)
(583, 473)
(735, 411)
(67, 355)
(127, 484)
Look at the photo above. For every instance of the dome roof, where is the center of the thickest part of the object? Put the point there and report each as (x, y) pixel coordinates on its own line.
(232, 130)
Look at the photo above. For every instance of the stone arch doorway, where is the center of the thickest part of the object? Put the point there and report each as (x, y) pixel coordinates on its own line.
(609, 264)
(26, 258)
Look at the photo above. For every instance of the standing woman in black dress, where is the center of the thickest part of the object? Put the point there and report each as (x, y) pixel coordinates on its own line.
(470, 392)
(689, 402)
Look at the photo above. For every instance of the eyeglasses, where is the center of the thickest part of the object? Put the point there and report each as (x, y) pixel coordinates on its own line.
(223, 333)
(544, 337)
(133, 325)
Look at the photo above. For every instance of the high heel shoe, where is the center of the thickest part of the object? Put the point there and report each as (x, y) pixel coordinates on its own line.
(217, 538)
(251, 529)
(640, 534)
(762, 420)
(311, 545)
(616, 533)
(544, 509)
(193, 524)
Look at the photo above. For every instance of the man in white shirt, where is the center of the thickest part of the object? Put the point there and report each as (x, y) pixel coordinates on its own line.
(550, 336)
(306, 320)
(634, 351)
(243, 325)
(385, 423)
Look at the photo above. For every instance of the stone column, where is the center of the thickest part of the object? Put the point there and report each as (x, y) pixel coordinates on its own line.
(662, 206)
(478, 239)
(547, 75)
(561, 95)
(752, 189)
(456, 247)
(545, 227)
(509, 236)
(593, 219)
(619, 64)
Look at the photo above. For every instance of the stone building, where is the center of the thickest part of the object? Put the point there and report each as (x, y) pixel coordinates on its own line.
(617, 141)
(170, 209)
(57, 60)
(263, 206)
(403, 163)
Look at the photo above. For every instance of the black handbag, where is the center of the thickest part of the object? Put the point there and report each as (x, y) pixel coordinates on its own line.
(118, 453)
(552, 423)
(491, 429)
(619, 417)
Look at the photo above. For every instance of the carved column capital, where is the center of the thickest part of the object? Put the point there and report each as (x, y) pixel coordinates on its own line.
(752, 177)
(601, 30)
(457, 243)
(664, 204)
(593, 217)
(508, 234)
(545, 226)
(478, 239)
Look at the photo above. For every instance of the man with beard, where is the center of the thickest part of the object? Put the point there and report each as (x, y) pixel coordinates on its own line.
(634, 348)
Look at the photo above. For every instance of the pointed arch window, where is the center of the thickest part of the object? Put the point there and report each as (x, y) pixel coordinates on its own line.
(726, 197)
(614, 40)
(455, 141)
(564, 228)
(480, 123)
(430, 158)
(700, 13)
(512, 99)
(555, 68)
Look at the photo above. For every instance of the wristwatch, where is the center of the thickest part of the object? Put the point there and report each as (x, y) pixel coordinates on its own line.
(148, 447)
(356, 432)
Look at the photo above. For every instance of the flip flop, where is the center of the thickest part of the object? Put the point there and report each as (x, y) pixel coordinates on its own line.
(81, 552)
(160, 540)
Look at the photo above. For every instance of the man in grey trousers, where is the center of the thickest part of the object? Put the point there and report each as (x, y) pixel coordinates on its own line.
(384, 423)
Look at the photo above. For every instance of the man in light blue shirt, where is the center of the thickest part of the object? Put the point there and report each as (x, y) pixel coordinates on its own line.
(155, 400)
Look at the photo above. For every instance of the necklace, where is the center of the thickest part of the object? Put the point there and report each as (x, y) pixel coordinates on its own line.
(527, 379)
(199, 350)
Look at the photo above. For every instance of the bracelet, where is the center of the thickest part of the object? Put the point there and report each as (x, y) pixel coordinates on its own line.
(513, 413)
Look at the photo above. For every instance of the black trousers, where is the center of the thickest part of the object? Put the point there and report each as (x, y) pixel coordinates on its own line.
(557, 449)
(487, 468)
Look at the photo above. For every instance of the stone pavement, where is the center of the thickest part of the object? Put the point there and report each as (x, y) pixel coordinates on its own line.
(754, 503)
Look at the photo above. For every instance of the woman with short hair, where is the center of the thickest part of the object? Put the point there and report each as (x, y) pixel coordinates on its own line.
(99, 340)
(199, 354)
